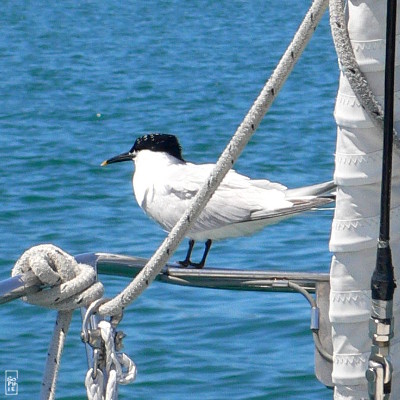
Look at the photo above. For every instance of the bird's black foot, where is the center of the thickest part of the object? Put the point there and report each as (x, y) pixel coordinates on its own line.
(191, 264)
(199, 265)
(186, 263)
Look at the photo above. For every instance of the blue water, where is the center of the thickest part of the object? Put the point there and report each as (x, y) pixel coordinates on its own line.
(80, 80)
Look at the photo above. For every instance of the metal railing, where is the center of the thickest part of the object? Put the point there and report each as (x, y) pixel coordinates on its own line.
(213, 278)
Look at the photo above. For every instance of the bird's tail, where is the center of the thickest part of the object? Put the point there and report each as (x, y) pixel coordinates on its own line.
(302, 199)
(299, 206)
(306, 198)
(326, 189)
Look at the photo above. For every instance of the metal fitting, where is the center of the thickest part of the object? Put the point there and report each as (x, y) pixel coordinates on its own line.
(379, 375)
(92, 337)
(375, 375)
(118, 337)
(314, 325)
(380, 332)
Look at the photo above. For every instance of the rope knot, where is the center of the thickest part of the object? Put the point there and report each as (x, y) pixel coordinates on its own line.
(66, 284)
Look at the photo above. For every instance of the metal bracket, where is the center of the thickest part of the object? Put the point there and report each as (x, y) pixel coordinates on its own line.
(379, 375)
(380, 369)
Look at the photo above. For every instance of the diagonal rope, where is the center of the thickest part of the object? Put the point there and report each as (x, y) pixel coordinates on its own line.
(225, 162)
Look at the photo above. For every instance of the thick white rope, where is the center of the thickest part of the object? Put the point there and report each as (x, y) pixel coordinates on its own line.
(225, 162)
(119, 368)
(351, 69)
(94, 385)
(70, 285)
(54, 354)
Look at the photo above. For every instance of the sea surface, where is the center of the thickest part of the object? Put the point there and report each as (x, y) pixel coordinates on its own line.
(80, 81)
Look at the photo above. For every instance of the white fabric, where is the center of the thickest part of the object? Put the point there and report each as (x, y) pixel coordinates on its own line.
(356, 223)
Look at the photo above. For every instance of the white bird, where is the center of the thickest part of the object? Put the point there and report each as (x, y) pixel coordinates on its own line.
(164, 185)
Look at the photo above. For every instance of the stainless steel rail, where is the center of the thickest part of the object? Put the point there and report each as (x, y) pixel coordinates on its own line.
(215, 278)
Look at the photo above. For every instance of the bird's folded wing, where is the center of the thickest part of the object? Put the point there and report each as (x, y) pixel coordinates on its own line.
(231, 204)
(237, 200)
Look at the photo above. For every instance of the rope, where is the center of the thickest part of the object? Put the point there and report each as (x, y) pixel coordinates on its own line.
(115, 365)
(225, 162)
(349, 66)
(94, 385)
(54, 353)
(66, 285)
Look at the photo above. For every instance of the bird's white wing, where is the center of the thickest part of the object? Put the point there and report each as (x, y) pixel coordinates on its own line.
(238, 198)
(231, 206)
(192, 178)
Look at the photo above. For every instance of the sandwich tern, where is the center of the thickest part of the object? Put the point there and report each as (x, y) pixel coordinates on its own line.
(164, 185)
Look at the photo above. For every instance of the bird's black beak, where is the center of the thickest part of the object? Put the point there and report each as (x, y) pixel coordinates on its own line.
(121, 157)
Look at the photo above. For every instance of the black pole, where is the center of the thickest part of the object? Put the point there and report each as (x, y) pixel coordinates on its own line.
(379, 373)
(382, 283)
(384, 233)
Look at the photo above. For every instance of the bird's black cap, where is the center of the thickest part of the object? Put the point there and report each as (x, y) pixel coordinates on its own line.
(159, 142)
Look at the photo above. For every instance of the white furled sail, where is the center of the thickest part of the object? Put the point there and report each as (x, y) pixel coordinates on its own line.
(355, 228)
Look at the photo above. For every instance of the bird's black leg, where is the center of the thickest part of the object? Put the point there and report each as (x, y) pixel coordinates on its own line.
(205, 254)
(186, 262)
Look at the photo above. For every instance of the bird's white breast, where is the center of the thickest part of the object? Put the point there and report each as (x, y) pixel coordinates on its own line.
(150, 185)
(143, 176)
